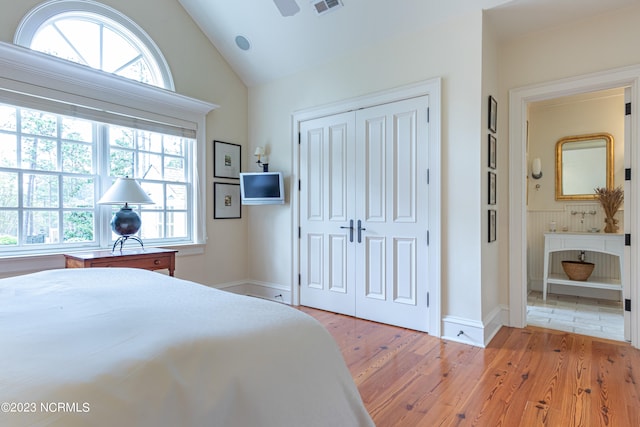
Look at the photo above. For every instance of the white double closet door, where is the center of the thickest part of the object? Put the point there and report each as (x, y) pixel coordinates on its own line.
(364, 214)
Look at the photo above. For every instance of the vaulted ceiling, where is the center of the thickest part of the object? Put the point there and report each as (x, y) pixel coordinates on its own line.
(277, 45)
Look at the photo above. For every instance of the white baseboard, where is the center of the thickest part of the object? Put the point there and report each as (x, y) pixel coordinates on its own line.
(463, 330)
(473, 332)
(492, 324)
(265, 290)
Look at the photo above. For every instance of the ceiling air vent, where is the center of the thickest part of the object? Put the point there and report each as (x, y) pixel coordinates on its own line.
(325, 6)
(287, 7)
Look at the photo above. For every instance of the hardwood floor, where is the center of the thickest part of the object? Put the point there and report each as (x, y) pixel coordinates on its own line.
(525, 377)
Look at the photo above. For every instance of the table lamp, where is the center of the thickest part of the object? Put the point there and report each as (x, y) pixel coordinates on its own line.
(126, 222)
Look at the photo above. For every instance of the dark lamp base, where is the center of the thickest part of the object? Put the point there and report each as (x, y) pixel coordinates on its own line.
(125, 223)
(123, 239)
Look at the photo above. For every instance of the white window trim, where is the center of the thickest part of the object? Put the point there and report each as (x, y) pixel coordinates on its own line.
(49, 79)
(39, 15)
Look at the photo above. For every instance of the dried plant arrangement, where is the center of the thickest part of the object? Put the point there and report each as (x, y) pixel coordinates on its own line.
(611, 200)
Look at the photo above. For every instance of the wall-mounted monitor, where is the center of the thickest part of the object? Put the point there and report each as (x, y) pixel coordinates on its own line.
(262, 188)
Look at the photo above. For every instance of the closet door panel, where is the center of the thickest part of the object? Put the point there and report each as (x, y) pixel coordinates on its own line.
(374, 160)
(394, 140)
(404, 177)
(327, 255)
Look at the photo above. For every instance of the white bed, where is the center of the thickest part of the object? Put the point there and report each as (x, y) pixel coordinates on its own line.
(127, 347)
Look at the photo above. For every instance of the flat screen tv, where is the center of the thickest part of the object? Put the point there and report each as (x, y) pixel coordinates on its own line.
(262, 188)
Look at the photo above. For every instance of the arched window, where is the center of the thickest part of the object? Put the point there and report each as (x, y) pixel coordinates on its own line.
(95, 35)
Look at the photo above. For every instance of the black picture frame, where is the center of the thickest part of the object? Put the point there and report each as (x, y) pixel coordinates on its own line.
(492, 153)
(226, 201)
(492, 225)
(227, 160)
(492, 190)
(493, 114)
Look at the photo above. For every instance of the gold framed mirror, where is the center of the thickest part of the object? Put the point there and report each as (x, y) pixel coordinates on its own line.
(583, 163)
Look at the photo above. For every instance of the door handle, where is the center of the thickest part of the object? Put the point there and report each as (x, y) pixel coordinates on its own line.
(360, 230)
(350, 227)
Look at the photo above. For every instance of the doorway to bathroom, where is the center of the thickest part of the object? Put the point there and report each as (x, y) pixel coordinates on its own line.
(579, 137)
(519, 179)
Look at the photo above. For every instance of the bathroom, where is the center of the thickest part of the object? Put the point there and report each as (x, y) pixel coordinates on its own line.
(590, 311)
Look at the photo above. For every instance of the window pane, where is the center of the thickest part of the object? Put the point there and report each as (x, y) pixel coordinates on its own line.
(84, 36)
(41, 227)
(152, 225)
(8, 190)
(149, 141)
(39, 154)
(174, 169)
(122, 137)
(174, 145)
(8, 228)
(40, 191)
(7, 118)
(78, 192)
(121, 163)
(50, 41)
(177, 224)
(149, 166)
(156, 192)
(118, 51)
(77, 129)
(39, 123)
(78, 226)
(177, 197)
(8, 150)
(139, 70)
(77, 158)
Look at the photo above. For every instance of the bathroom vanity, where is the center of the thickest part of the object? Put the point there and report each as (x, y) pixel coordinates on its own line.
(608, 243)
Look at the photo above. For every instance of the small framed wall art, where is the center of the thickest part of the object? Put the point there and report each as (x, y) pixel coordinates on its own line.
(226, 201)
(493, 114)
(492, 188)
(492, 151)
(492, 225)
(226, 160)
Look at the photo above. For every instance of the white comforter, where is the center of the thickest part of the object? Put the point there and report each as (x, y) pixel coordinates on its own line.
(126, 347)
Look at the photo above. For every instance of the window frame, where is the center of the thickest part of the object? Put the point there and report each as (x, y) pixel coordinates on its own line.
(43, 13)
(53, 84)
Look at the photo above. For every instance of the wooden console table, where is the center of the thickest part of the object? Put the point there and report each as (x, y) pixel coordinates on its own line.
(148, 259)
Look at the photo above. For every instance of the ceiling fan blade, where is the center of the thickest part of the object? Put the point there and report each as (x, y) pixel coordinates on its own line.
(287, 7)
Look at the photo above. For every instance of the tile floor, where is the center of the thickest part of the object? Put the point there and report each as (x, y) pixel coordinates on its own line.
(587, 316)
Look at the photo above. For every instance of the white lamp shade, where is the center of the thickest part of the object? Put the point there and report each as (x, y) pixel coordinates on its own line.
(536, 166)
(259, 151)
(125, 190)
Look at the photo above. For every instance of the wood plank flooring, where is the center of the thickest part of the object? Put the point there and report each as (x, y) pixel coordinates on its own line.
(525, 377)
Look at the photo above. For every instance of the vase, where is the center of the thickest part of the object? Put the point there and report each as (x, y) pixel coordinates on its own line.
(611, 225)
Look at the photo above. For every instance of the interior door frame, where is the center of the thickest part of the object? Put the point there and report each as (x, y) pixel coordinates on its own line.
(519, 99)
(432, 88)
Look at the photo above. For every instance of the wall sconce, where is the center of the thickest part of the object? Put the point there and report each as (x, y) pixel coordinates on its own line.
(536, 170)
(259, 153)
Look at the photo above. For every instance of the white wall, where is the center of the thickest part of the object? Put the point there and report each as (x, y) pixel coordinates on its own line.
(199, 71)
(451, 51)
(491, 271)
